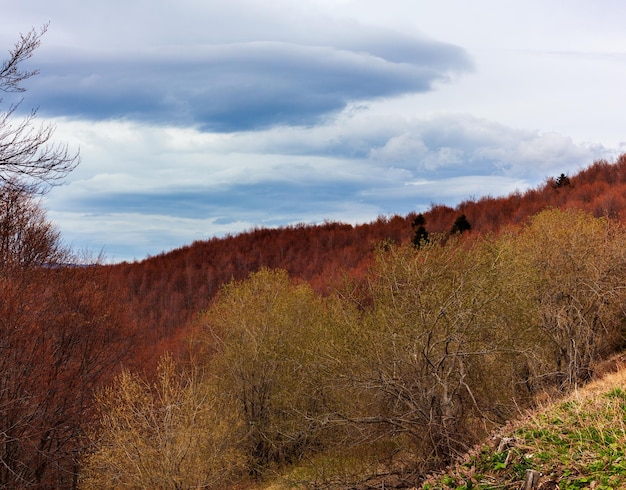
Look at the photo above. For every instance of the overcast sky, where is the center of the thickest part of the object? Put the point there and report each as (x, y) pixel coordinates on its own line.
(200, 118)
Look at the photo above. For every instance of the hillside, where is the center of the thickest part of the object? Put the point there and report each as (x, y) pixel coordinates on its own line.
(165, 292)
(339, 355)
(574, 442)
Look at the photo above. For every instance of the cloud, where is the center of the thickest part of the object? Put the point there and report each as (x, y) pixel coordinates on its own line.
(146, 189)
(281, 75)
(451, 145)
(130, 236)
(197, 119)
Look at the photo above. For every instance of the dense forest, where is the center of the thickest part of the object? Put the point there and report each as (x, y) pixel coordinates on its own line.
(322, 356)
(165, 292)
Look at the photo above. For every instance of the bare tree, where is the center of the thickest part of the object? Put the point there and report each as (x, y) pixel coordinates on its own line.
(178, 432)
(27, 238)
(62, 333)
(428, 361)
(577, 265)
(27, 152)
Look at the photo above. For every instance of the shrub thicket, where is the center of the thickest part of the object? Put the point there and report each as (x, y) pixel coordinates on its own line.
(436, 346)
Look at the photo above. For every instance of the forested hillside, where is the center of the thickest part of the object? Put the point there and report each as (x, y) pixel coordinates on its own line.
(165, 292)
(325, 355)
(391, 376)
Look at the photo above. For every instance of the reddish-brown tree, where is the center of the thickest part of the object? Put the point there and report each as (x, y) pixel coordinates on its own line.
(61, 335)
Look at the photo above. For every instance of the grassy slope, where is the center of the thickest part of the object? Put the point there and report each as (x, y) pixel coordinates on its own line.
(576, 442)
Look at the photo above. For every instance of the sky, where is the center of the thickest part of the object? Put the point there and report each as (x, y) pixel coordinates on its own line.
(196, 119)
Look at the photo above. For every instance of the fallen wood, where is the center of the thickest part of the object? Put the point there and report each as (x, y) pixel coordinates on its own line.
(532, 480)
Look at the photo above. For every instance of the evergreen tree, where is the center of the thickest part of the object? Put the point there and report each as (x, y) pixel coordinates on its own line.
(460, 225)
(421, 235)
(561, 181)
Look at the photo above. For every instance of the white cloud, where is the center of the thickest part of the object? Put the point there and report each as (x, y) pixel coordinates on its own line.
(167, 186)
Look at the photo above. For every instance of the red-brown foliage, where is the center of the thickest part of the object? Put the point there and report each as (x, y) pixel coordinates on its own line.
(163, 293)
(62, 335)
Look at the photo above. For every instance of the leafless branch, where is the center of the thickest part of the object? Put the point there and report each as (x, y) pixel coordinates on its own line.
(27, 152)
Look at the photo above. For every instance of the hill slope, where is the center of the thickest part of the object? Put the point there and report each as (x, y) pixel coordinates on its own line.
(166, 291)
(523, 292)
(575, 442)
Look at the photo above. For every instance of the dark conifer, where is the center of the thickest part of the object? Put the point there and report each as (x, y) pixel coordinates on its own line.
(421, 235)
(460, 225)
(561, 181)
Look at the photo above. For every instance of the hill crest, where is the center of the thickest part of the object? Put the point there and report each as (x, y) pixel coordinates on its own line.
(166, 291)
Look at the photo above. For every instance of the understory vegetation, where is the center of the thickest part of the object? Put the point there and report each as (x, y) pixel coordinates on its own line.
(396, 374)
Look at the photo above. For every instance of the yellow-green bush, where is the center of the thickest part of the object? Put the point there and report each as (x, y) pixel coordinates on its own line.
(178, 433)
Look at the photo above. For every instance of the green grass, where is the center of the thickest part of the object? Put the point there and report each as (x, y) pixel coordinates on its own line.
(575, 443)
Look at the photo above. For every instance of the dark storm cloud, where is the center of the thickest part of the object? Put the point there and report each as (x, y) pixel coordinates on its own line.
(241, 86)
